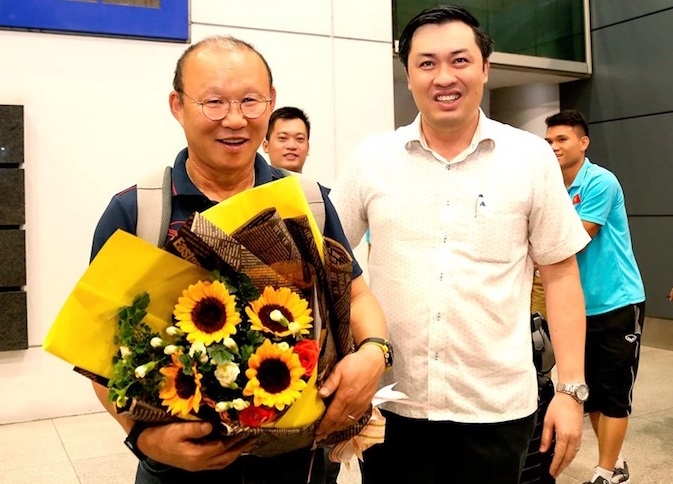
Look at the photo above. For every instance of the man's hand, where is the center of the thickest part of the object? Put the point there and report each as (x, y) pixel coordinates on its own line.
(353, 382)
(189, 446)
(564, 417)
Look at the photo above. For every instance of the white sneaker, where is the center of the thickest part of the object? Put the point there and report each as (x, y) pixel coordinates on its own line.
(621, 475)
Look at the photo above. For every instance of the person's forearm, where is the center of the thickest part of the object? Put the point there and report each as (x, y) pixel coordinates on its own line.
(367, 319)
(567, 318)
(102, 393)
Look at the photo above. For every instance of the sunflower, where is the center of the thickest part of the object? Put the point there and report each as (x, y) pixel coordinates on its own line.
(207, 312)
(294, 309)
(274, 376)
(181, 393)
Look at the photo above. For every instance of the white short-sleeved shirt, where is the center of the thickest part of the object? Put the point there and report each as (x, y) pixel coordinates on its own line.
(452, 245)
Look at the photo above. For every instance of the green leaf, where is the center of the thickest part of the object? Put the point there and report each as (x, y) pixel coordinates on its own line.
(220, 354)
(186, 362)
(255, 337)
(136, 335)
(246, 352)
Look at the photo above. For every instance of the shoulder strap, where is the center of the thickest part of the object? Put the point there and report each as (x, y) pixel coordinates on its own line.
(313, 195)
(154, 206)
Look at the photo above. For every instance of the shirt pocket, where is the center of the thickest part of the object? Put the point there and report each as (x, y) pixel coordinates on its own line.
(499, 229)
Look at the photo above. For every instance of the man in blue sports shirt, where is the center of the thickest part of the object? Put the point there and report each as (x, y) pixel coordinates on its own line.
(613, 292)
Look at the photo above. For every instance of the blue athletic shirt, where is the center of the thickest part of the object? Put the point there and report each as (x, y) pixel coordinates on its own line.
(122, 211)
(608, 269)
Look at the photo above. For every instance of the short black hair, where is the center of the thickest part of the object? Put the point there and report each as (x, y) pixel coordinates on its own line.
(288, 112)
(225, 41)
(438, 16)
(568, 117)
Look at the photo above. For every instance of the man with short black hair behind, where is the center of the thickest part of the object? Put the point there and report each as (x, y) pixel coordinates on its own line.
(287, 138)
(613, 292)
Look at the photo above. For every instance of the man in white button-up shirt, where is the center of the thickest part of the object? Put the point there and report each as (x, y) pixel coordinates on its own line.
(459, 206)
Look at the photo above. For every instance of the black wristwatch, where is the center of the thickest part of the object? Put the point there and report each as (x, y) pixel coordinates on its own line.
(132, 439)
(385, 346)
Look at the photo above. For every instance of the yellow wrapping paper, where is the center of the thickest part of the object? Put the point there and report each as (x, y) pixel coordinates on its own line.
(83, 332)
(285, 195)
(308, 408)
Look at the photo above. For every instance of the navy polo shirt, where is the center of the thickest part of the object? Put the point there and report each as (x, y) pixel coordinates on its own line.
(122, 211)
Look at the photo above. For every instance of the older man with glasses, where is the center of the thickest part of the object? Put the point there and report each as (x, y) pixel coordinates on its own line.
(223, 96)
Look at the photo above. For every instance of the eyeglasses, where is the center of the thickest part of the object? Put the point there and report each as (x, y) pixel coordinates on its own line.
(252, 106)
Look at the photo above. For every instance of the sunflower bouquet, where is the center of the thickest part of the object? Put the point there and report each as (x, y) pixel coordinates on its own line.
(232, 355)
(238, 320)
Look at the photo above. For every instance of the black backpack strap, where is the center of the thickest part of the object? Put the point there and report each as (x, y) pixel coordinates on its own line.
(543, 353)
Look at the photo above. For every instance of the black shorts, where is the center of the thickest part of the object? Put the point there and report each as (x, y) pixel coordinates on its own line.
(611, 359)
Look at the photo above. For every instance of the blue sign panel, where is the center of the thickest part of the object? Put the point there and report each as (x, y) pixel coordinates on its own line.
(152, 19)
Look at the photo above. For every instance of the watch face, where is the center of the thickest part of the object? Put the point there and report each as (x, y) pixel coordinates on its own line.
(582, 393)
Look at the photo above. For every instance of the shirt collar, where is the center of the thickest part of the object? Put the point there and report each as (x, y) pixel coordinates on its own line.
(412, 136)
(580, 174)
(264, 173)
(182, 184)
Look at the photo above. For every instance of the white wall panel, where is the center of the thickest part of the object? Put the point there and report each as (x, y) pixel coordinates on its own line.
(363, 78)
(308, 16)
(371, 20)
(42, 386)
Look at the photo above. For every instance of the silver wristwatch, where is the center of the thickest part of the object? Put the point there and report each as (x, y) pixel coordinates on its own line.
(579, 391)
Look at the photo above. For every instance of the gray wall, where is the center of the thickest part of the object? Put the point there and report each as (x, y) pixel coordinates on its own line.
(629, 105)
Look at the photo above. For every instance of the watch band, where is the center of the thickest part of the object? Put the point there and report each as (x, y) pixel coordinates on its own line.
(385, 346)
(579, 391)
(131, 440)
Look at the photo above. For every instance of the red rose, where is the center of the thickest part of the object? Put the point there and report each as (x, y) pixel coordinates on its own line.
(307, 350)
(256, 416)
